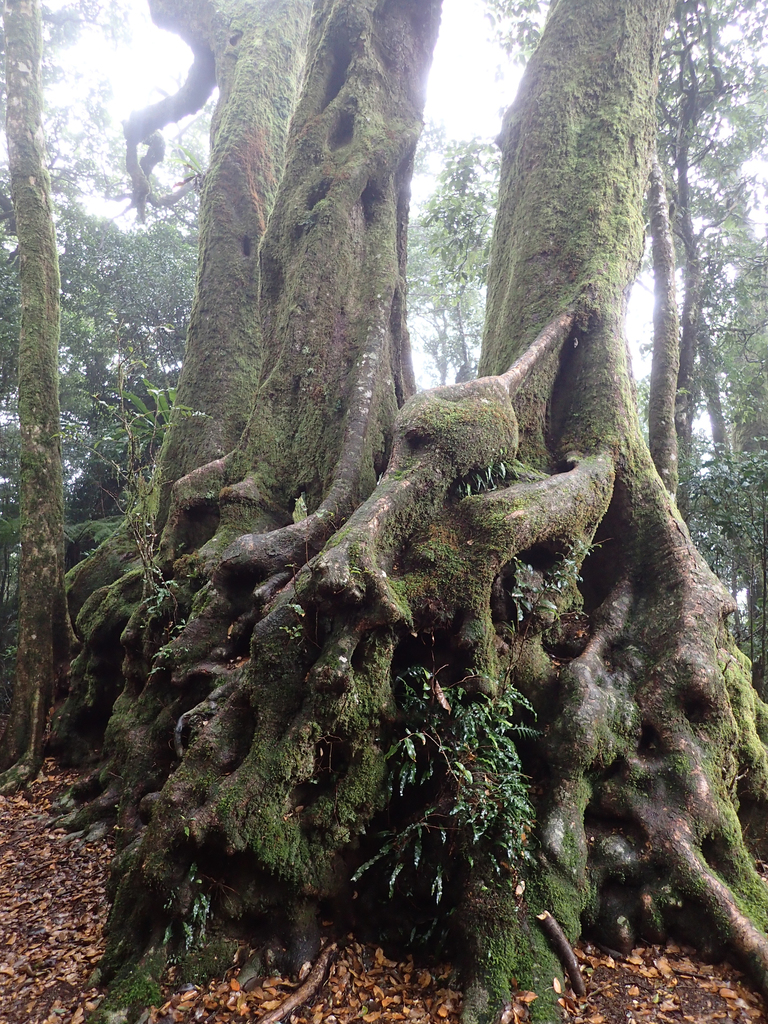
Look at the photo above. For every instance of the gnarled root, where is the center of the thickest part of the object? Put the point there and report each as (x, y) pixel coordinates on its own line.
(564, 950)
(457, 563)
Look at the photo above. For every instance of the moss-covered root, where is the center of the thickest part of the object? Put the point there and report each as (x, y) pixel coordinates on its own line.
(132, 992)
(654, 744)
(20, 775)
(269, 797)
(439, 438)
(502, 945)
(722, 905)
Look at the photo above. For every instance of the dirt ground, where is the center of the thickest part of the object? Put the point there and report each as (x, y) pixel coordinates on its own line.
(53, 908)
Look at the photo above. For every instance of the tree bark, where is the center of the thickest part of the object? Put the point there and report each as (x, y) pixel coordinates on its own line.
(687, 383)
(519, 536)
(666, 339)
(710, 385)
(43, 645)
(257, 53)
(254, 53)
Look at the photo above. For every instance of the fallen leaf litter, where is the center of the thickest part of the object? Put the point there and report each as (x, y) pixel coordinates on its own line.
(53, 907)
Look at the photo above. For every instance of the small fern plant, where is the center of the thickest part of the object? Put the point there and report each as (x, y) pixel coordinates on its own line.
(462, 755)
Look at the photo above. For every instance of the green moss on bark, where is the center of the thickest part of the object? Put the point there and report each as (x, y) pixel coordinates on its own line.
(44, 629)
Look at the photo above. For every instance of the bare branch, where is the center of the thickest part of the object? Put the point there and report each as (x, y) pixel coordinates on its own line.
(143, 126)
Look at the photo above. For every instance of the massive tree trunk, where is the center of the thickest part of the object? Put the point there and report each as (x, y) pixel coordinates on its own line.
(519, 538)
(256, 51)
(43, 623)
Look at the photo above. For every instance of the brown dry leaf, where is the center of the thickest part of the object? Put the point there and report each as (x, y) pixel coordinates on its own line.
(728, 993)
(633, 990)
(557, 986)
(686, 967)
(663, 965)
(442, 700)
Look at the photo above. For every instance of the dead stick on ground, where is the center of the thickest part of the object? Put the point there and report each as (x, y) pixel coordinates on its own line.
(562, 947)
(305, 992)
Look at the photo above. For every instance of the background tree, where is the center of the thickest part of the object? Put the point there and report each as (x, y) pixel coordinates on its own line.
(125, 301)
(712, 136)
(44, 631)
(662, 435)
(448, 250)
(712, 120)
(9, 475)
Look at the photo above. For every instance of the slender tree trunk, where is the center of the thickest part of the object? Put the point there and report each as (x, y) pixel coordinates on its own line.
(711, 388)
(666, 341)
(43, 623)
(687, 397)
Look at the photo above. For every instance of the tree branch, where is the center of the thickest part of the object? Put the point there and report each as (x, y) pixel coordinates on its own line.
(143, 126)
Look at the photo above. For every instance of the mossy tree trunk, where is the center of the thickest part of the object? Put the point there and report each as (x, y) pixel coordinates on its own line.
(662, 436)
(255, 51)
(519, 535)
(44, 630)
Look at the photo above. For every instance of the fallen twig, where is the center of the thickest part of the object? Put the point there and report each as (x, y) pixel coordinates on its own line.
(562, 947)
(305, 992)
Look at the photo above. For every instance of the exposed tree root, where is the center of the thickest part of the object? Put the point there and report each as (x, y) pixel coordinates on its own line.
(632, 791)
(642, 756)
(310, 988)
(564, 950)
(518, 537)
(19, 776)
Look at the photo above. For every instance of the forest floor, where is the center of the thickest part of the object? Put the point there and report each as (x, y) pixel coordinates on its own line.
(53, 909)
